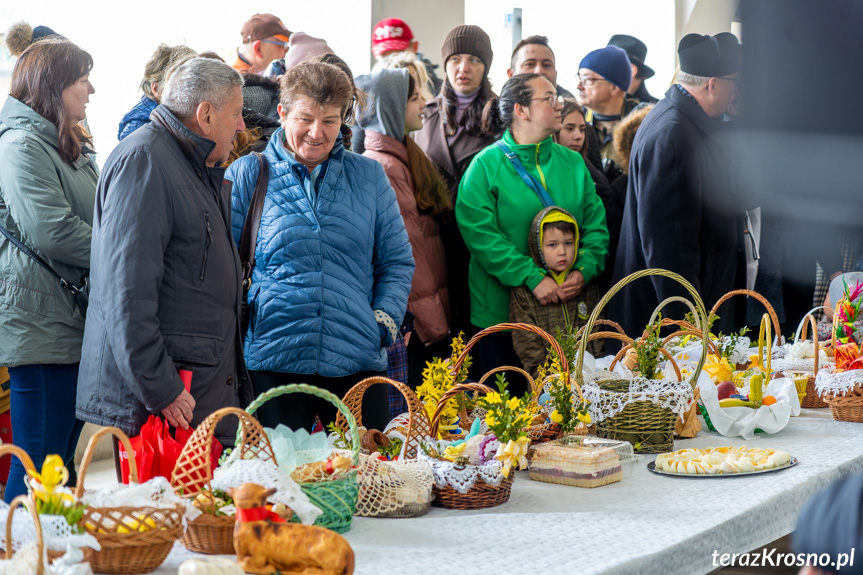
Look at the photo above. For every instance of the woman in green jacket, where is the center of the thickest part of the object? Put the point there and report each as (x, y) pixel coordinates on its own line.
(495, 207)
(47, 193)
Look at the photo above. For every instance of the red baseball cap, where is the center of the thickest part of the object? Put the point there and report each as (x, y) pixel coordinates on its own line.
(390, 34)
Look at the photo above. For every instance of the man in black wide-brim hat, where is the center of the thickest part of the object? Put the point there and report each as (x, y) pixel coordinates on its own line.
(681, 212)
(637, 52)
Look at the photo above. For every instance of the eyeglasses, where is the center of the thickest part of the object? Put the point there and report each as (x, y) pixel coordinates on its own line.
(277, 43)
(590, 80)
(551, 100)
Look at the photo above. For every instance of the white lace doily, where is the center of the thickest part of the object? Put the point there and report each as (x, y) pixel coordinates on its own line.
(460, 478)
(388, 487)
(234, 473)
(673, 395)
(838, 383)
(799, 356)
(56, 531)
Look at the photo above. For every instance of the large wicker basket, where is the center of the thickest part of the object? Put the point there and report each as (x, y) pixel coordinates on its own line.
(481, 495)
(649, 427)
(209, 533)
(538, 433)
(336, 498)
(137, 551)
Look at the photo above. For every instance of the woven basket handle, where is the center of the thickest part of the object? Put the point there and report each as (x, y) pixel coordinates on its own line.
(806, 324)
(418, 425)
(591, 321)
(193, 469)
(40, 544)
(451, 393)
(753, 294)
(502, 368)
(765, 343)
(711, 345)
(612, 324)
(91, 450)
(803, 321)
(317, 392)
(677, 299)
(506, 327)
(23, 457)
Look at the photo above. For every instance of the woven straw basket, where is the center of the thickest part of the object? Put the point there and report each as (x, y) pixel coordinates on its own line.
(809, 398)
(336, 498)
(40, 544)
(646, 425)
(138, 551)
(209, 533)
(481, 495)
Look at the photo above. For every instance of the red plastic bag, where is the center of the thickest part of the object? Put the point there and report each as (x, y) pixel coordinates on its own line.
(157, 451)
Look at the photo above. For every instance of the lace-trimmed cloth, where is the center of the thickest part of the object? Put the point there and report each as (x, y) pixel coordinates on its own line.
(461, 478)
(673, 395)
(392, 488)
(845, 383)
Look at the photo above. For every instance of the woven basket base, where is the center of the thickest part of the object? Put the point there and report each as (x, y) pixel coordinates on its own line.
(481, 495)
(130, 560)
(811, 399)
(539, 435)
(210, 535)
(648, 427)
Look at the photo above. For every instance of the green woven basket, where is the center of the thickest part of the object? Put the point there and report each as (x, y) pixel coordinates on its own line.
(338, 498)
(647, 426)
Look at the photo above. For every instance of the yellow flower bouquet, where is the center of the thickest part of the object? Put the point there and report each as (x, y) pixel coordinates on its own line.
(438, 379)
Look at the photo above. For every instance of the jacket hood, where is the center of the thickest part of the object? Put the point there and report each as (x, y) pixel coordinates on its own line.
(388, 98)
(624, 135)
(534, 240)
(19, 116)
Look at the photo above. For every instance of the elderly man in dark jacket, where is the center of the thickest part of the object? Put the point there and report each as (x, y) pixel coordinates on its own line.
(166, 279)
(680, 211)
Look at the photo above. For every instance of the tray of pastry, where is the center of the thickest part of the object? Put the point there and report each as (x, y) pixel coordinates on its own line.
(721, 462)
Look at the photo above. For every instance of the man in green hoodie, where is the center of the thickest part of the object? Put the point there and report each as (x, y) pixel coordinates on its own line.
(553, 244)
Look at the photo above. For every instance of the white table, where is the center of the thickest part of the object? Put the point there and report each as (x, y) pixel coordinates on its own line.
(644, 524)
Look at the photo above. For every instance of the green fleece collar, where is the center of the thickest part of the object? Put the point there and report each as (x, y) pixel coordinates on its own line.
(530, 154)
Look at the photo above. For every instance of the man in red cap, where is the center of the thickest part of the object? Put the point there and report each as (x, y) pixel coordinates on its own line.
(264, 39)
(394, 35)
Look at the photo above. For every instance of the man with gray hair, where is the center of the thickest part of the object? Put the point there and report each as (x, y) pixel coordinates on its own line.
(681, 212)
(162, 334)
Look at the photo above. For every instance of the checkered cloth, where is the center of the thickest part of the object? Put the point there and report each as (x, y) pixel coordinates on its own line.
(397, 368)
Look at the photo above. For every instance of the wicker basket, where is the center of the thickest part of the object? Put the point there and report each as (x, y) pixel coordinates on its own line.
(419, 426)
(753, 294)
(809, 398)
(481, 495)
(642, 423)
(31, 507)
(537, 433)
(135, 551)
(336, 498)
(209, 533)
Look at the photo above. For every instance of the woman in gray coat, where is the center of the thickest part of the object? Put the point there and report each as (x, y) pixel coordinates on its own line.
(47, 193)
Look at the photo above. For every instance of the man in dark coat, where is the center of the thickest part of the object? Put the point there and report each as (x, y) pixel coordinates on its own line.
(680, 211)
(165, 274)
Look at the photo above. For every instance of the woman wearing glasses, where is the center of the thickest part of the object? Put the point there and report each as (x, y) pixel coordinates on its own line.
(495, 207)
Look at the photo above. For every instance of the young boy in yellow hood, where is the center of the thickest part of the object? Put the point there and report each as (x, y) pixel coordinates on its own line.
(553, 244)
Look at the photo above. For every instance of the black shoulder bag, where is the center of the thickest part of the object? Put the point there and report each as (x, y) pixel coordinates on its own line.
(249, 237)
(80, 294)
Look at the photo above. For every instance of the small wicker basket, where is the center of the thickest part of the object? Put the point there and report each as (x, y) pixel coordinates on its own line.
(336, 498)
(481, 495)
(646, 425)
(809, 398)
(210, 533)
(137, 551)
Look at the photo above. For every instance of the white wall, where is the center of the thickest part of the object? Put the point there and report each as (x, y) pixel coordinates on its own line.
(122, 36)
(576, 27)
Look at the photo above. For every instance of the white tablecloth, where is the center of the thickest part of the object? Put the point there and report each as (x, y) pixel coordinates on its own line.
(644, 524)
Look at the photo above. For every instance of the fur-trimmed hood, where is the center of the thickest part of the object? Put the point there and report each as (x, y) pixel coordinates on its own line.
(624, 135)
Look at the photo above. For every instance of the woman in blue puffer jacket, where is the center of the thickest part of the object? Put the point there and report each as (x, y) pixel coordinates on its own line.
(333, 265)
